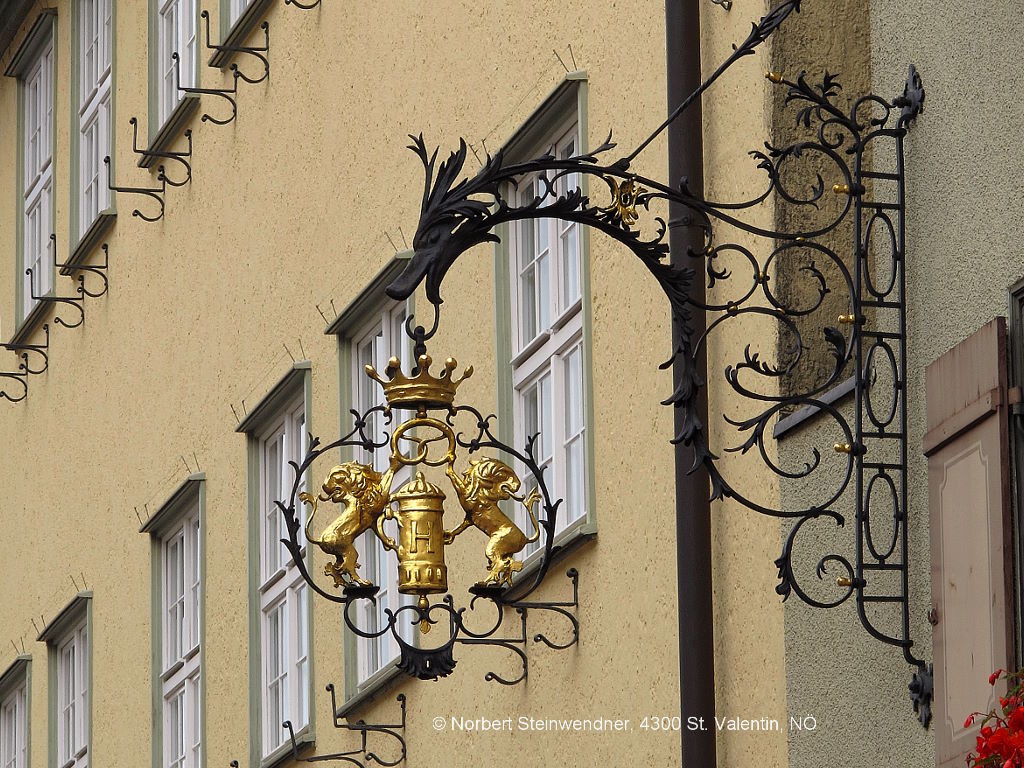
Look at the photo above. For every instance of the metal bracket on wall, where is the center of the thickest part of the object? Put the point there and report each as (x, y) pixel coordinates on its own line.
(518, 644)
(303, 6)
(227, 94)
(91, 269)
(181, 157)
(726, 4)
(361, 756)
(25, 368)
(258, 52)
(157, 194)
(78, 302)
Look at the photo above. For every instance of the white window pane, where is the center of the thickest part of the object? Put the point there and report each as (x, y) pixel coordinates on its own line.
(272, 467)
(302, 653)
(528, 304)
(195, 731)
(174, 729)
(544, 286)
(194, 579)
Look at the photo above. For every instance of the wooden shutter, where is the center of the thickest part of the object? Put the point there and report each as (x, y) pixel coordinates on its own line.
(967, 446)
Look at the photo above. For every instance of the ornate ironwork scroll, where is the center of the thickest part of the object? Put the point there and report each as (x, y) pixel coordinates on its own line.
(828, 175)
(368, 501)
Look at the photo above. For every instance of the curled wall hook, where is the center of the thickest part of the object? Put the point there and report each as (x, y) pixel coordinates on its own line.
(224, 51)
(156, 194)
(224, 93)
(149, 156)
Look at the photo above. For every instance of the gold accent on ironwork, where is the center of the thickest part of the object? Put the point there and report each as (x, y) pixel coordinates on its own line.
(844, 581)
(847, 319)
(843, 448)
(423, 604)
(775, 77)
(364, 492)
(486, 482)
(421, 537)
(841, 189)
(419, 390)
(624, 199)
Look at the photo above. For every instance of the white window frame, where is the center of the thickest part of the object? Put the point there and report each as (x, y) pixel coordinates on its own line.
(95, 66)
(14, 726)
(556, 341)
(176, 25)
(72, 725)
(283, 594)
(37, 186)
(386, 333)
(181, 637)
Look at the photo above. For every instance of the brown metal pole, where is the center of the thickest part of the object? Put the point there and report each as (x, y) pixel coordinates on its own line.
(693, 510)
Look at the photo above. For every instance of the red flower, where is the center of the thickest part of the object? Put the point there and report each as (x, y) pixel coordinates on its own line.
(968, 721)
(994, 676)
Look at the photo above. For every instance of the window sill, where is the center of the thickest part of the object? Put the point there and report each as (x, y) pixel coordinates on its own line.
(169, 130)
(238, 33)
(304, 741)
(103, 223)
(31, 322)
(377, 684)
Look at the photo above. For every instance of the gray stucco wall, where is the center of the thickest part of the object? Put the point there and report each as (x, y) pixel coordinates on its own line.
(964, 171)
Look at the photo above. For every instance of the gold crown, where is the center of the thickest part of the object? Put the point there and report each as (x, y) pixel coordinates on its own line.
(421, 390)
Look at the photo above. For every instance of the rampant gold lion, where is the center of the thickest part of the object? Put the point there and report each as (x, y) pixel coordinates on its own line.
(365, 493)
(484, 483)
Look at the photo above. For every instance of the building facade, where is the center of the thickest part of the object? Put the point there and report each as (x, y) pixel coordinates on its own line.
(205, 204)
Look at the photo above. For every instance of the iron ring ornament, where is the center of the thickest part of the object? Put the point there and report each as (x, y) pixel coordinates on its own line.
(835, 161)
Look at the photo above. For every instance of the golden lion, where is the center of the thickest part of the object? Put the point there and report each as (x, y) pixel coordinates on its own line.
(484, 483)
(365, 493)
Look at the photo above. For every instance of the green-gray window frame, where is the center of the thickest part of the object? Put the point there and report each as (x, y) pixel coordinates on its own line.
(298, 380)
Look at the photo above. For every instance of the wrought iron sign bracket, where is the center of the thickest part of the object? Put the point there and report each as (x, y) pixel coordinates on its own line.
(180, 157)
(256, 51)
(154, 193)
(859, 150)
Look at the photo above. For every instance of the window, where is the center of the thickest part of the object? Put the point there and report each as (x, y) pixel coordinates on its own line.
(374, 345)
(14, 715)
(278, 434)
(72, 698)
(180, 610)
(547, 341)
(68, 639)
(37, 178)
(94, 67)
(238, 8)
(176, 33)
(177, 531)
